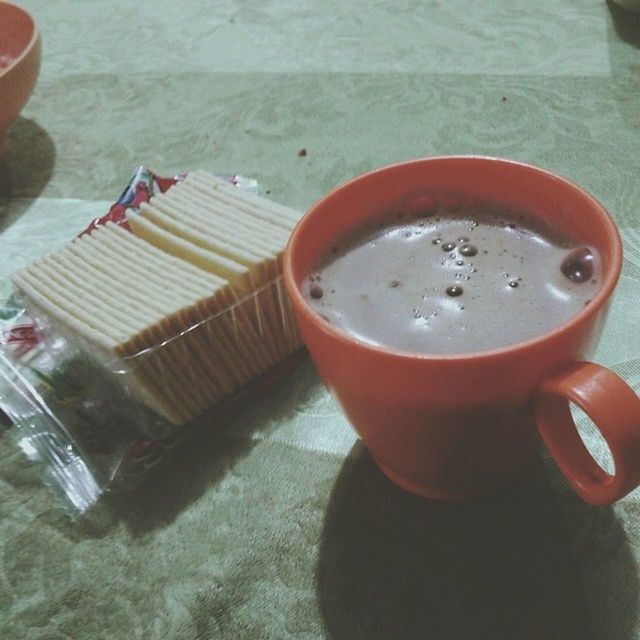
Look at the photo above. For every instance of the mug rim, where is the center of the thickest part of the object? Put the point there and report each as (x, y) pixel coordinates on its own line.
(610, 277)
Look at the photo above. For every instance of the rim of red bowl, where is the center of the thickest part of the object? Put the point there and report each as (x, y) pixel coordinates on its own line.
(609, 281)
(35, 33)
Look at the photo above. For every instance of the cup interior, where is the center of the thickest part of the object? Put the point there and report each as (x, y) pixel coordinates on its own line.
(560, 203)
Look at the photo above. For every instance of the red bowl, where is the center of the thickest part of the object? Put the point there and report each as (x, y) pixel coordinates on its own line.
(20, 55)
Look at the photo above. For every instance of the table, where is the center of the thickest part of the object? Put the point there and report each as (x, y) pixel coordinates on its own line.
(276, 523)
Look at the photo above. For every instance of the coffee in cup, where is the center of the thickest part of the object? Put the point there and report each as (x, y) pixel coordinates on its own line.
(452, 277)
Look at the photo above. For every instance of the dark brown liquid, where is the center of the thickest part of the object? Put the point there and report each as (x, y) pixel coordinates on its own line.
(453, 282)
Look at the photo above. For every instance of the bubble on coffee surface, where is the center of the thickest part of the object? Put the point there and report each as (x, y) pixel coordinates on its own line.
(454, 290)
(468, 250)
(448, 246)
(316, 291)
(578, 265)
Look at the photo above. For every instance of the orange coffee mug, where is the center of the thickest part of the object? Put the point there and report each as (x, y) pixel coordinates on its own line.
(455, 427)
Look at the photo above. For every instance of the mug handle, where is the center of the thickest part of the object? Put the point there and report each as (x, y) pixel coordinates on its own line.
(615, 409)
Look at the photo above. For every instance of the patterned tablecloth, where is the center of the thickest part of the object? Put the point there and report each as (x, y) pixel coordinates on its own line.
(275, 523)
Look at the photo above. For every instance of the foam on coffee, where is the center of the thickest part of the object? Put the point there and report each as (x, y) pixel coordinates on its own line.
(453, 279)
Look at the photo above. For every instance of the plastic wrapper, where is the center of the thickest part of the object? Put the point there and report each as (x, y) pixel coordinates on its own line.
(88, 417)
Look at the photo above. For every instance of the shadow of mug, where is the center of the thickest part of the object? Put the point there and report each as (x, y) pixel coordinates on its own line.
(626, 24)
(532, 561)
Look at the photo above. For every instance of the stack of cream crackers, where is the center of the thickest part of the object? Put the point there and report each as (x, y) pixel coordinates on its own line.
(189, 299)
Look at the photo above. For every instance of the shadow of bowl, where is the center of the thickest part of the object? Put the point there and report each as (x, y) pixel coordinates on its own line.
(20, 57)
(25, 169)
(627, 5)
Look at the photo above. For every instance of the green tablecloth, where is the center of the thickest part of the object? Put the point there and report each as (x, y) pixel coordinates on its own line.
(276, 524)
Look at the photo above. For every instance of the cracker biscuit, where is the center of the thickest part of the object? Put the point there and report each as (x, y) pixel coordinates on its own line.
(156, 297)
(242, 281)
(264, 317)
(136, 245)
(87, 330)
(225, 217)
(154, 322)
(212, 329)
(222, 224)
(182, 309)
(128, 327)
(229, 217)
(170, 221)
(285, 216)
(59, 308)
(191, 299)
(206, 260)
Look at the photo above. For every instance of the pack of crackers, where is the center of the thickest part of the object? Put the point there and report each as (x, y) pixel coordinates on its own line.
(169, 309)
